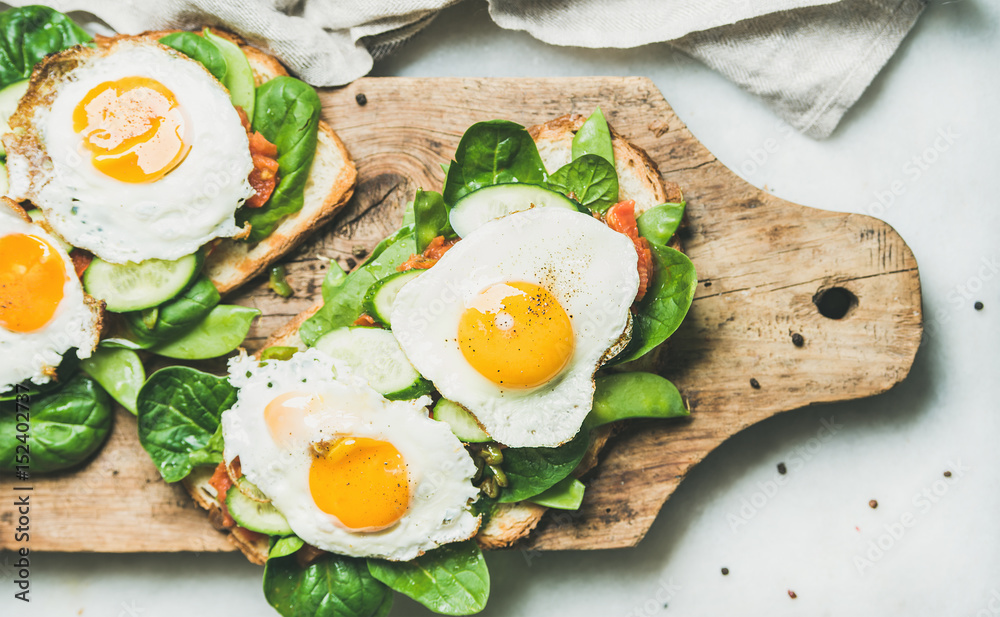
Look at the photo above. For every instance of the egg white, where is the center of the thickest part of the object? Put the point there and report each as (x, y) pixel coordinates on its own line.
(589, 268)
(439, 467)
(121, 221)
(75, 324)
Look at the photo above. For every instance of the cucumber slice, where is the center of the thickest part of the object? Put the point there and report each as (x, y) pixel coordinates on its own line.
(492, 202)
(136, 286)
(255, 515)
(460, 420)
(375, 354)
(239, 75)
(380, 297)
(9, 99)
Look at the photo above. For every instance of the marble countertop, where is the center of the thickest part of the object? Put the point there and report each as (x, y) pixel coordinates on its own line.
(919, 150)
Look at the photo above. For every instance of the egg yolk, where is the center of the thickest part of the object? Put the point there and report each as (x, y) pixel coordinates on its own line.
(133, 128)
(361, 481)
(32, 279)
(517, 335)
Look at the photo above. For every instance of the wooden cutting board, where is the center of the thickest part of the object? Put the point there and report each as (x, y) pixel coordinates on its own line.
(763, 266)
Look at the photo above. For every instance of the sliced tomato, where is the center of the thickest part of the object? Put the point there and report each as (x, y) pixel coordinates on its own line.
(263, 178)
(81, 261)
(621, 218)
(434, 251)
(221, 482)
(365, 320)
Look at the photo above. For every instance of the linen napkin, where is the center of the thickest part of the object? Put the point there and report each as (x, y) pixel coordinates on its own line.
(810, 60)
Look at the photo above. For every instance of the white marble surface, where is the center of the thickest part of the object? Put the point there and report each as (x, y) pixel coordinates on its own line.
(814, 532)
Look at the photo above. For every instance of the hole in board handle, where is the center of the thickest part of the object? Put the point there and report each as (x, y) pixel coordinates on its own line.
(835, 302)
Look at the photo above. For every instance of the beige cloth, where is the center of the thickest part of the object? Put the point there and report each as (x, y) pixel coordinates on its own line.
(809, 59)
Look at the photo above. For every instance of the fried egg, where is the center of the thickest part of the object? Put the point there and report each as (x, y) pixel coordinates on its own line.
(513, 321)
(43, 310)
(132, 150)
(352, 472)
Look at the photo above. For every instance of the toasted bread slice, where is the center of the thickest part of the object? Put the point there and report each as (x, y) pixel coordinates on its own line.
(639, 179)
(329, 186)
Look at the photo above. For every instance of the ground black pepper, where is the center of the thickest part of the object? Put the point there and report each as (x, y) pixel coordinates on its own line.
(754, 383)
(782, 469)
(361, 99)
(798, 340)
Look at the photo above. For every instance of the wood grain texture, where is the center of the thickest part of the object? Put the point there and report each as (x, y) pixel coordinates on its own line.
(761, 261)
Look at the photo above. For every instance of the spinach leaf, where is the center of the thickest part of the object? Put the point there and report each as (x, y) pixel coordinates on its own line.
(531, 471)
(667, 301)
(220, 332)
(451, 580)
(594, 137)
(179, 411)
(331, 586)
(120, 373)
(342, 300)
(200, 49)
(287, 114)
(659, 223)
(66, 426)
(282, 547)
(590, 180)
(493, 152)
(175, 316)
(28, 34)
(430, 217)
(620, 396)
(567, 494)
(211, 454)
(334, 278)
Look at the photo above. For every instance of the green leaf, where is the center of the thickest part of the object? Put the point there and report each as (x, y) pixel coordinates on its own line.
(176, 316)
(331, 586)
(532, 471)
(239, 76)
(287, 114)
(220, 332)
(659, 223)
(212, 453)
(668, 298)
(451, 580)
(179, 412)
(430, 216)
(66, 426)
(590, 180)
(198, 48)
(120, 373)
(594, 137)
(621, 396)
(282, 547)
(493, 152)
(28, 34)
(566, 495)
(342, 302)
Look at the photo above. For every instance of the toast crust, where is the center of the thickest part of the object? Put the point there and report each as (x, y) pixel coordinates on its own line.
(513, 522)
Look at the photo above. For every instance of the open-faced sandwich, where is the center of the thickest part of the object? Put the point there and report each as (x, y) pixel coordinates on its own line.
(450, 388)
(149, 175)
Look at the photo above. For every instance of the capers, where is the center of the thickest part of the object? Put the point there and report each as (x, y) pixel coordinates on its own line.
(480, 464)
(492, 454)
(499, 476)
(490, 488)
